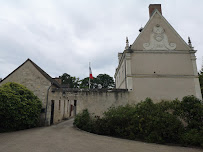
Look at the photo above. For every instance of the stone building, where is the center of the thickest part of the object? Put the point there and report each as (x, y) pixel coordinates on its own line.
(55, 105)
(60, 102)
(159, 64)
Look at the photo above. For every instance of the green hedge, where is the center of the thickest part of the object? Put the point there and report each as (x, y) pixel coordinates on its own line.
(159, 123)
(83, 121)
(19, 108)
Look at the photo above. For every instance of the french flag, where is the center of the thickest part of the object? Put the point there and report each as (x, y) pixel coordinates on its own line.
(90, 71)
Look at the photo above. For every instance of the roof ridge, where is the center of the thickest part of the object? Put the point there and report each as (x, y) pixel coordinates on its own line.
(166, 21)
(48, 77)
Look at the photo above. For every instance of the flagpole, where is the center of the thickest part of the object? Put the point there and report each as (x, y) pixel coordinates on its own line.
(89, 75)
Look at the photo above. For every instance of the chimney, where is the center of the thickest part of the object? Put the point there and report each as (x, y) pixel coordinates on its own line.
(153, 7)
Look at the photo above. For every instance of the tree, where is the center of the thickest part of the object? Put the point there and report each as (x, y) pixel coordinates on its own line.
(19, 107)
(105, 80)
(85, 83)
(73, 82)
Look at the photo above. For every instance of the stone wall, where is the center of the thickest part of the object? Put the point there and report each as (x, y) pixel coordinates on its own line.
(120, 74)
(61, 106)
(163, 88)
(96, 101)
(164, 75)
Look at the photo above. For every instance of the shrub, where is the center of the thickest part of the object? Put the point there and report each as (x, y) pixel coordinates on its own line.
(19, 107)
(193, 137)
(99, 126)
(191, 110)
(117, 120)
(159, 123)
(83, 121)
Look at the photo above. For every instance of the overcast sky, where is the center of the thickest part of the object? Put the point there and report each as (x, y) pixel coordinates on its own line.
(63, 36)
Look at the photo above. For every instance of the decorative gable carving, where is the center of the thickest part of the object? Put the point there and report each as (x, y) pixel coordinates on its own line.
(159, 40)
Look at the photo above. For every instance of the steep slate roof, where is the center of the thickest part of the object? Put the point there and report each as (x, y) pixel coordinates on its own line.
(54, 82)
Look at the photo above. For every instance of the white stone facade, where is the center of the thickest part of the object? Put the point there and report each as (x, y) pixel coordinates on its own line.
(159, 64)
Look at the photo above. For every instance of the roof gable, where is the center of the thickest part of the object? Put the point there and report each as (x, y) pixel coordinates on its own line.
(158, 34)
(49, 78)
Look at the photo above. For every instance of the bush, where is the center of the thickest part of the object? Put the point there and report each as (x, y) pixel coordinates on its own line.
(117, 120)
(193, 137)
(83, 121)
(191, 110)
(19, 107)
(159, 123)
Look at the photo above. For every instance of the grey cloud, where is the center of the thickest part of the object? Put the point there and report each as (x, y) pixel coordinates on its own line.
(64, 36)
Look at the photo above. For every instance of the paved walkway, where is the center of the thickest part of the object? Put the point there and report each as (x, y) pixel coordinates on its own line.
(65, 138)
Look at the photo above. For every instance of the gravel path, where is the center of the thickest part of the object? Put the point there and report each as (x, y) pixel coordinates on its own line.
(65, 138)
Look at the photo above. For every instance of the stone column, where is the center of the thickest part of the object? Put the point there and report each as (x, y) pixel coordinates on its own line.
(196, 80)
(128, 72)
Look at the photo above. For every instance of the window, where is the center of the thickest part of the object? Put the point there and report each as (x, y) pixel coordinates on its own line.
(67, 105)
(59, 104)
(64, 106)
